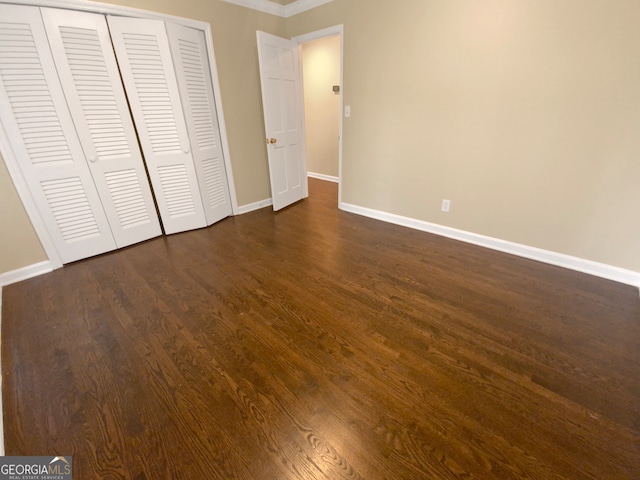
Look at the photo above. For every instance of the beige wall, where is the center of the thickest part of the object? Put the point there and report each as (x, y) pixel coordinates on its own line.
(524, 113)
(321, 71)
(19, 244)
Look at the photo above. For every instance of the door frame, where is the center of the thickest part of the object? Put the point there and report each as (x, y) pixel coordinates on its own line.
(318, 34)
(54, 260)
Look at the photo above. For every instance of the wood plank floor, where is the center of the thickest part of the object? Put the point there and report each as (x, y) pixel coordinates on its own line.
(317, 344)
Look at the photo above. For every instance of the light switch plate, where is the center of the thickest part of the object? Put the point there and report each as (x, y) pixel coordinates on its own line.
(347, 111)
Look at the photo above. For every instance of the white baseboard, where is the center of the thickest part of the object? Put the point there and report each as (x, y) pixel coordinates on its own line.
(250, 207)
(321, 176)
(25, 273)
(602, 270)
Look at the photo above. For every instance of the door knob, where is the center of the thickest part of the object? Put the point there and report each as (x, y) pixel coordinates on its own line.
(272, 141)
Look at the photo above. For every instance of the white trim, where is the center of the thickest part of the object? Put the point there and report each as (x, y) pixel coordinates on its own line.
(110, 9)
(329, 32)
(602, 270)
(302, 6)
(250, 207)
(25, 273)
(263, 6)
(318, 34)
(273, 8)
(322, 176)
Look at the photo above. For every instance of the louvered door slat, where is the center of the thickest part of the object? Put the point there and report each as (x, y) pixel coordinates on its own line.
(42, 135)
(189, 51)
(143, 53)
(81, 46)
(147, 71)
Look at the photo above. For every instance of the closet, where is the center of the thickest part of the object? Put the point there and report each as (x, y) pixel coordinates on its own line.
(112, 121)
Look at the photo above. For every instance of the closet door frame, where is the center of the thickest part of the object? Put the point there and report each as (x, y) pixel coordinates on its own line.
(54, 260)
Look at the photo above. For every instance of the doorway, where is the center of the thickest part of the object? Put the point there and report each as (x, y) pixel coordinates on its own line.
(321, 59)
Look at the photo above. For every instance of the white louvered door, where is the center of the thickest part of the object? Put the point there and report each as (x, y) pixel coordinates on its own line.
(143, 54)
(189, 51)
(82, 50)
(36, 118)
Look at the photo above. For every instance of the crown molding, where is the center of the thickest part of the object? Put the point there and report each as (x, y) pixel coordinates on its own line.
(264, 6)
(302, 6)
(273, 8)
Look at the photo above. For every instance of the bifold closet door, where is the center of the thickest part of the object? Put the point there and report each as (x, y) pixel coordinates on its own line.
(144, 57)
(41, 132)
(189, 51)
(82, 50)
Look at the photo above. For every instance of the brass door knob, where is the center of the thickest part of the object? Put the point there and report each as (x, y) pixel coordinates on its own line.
(272, 141)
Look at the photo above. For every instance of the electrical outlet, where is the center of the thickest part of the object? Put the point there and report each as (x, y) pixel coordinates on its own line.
(446, 205)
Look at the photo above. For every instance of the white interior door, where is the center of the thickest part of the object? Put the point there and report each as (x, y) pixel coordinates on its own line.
(189, 51)
(283, 106)
(36, 118)
(144, 57)
(81, 47)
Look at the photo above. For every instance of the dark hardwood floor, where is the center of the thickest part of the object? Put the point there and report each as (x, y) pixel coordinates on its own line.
(317, 344)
